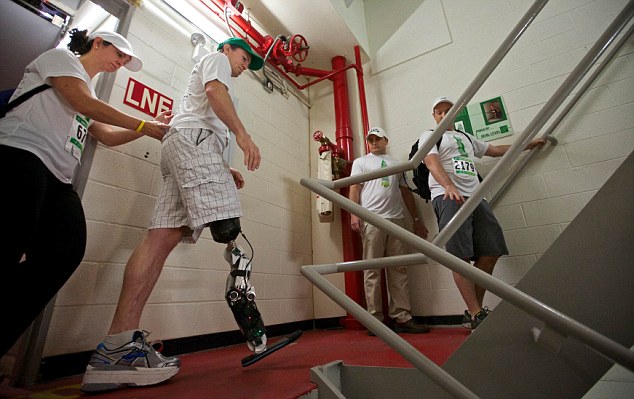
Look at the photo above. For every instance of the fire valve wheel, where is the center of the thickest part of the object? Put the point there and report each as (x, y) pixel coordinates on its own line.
(299, 48)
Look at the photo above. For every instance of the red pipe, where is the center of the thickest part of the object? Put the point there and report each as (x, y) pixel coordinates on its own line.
(328, 76)
(364, 107)
(360, 82)
(309, 72)
(236, 17)
(351, 240)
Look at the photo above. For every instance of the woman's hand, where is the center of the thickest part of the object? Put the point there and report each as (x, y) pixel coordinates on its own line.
(154, 129)
(164, 117)
(159, 126)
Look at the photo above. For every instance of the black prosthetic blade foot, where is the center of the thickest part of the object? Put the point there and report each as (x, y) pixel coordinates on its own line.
(279, 344)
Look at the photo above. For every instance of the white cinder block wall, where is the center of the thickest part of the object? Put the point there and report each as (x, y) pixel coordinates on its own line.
(120, 194)
(593, 140)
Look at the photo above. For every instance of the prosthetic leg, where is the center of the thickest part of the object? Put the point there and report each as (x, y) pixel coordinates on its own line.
(240, 294)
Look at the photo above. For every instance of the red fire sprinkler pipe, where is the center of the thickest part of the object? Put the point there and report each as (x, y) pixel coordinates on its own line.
(237, 18)
(351, 240)
(360, 82)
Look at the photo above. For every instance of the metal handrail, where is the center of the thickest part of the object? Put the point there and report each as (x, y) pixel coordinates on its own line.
(539, 121)
(602, 344)
(559, 321)
(519, 166)
(421, 362)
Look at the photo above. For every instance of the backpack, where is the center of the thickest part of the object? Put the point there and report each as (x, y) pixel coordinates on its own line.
(421, 173)
(5, 95)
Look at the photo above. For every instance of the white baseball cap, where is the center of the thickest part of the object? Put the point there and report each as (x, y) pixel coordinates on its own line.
(122, 44)
(441, 100)
(376, 131)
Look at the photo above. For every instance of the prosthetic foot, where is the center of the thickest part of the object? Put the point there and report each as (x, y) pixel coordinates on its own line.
(279, 344)
(240, 294)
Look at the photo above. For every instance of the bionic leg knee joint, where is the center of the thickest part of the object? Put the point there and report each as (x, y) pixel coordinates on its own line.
(240, 294)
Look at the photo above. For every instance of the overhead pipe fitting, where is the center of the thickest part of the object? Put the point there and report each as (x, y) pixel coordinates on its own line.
(285, 56)
(286, 50)
(281, 52)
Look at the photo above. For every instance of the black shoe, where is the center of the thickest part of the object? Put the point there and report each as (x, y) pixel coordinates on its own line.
(479, 317)
(410, 326)
(466, 319)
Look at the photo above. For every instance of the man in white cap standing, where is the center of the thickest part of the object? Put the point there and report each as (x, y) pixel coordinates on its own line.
(383, 196)
(452, 179)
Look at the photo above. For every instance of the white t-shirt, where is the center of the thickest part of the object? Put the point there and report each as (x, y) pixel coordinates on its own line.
(381, 196)
(46, 124)
(194, 110)
(456, 155)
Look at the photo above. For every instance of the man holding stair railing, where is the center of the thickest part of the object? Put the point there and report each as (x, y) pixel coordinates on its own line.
(452, 179)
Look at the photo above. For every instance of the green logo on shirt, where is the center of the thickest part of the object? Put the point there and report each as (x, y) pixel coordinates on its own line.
(385, 181)
(461, 149)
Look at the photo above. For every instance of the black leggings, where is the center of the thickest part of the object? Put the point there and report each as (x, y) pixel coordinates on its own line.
(43, 219)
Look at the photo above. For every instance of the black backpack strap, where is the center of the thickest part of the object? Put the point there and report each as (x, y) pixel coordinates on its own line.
(421, 167)
(465, 134)
(410, 155)
(439, 140)
(407, 184)
(25, 96)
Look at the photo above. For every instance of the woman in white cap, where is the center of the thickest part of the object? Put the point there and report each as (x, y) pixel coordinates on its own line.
(41, 143)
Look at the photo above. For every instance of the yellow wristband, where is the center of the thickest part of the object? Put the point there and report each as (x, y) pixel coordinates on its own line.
(138, 129)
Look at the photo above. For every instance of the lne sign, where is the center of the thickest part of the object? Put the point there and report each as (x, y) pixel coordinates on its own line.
(145, 99)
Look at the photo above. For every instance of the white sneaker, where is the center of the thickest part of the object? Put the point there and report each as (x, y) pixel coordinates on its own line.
(134, 364)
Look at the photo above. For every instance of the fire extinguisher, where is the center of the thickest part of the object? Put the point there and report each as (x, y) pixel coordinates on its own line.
(328, 168)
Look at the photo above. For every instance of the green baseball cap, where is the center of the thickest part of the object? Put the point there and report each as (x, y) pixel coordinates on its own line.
(256, 61)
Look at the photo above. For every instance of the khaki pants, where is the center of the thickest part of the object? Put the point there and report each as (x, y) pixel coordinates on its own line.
(377, 244)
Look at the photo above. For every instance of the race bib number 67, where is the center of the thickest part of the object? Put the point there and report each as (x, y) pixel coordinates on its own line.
(77, 136)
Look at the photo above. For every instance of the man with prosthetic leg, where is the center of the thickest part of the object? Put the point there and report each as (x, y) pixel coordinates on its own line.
(199, 190)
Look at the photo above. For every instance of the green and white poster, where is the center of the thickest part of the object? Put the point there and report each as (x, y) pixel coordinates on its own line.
(486, 120)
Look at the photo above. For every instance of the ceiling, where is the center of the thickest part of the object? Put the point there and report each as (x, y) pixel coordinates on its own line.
(316, 20)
